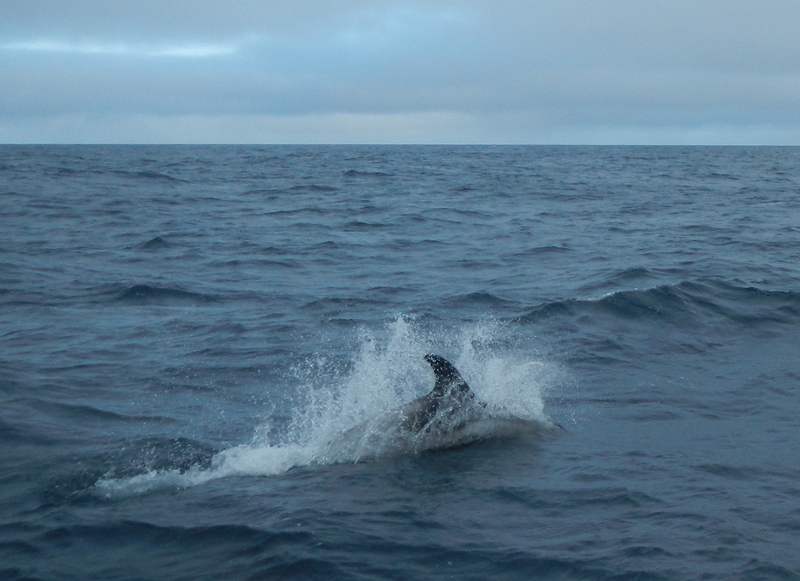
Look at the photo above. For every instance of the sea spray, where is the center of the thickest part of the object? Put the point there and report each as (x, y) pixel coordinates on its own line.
(346, 414)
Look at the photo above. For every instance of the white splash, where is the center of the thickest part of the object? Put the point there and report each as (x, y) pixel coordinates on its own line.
(348, 417)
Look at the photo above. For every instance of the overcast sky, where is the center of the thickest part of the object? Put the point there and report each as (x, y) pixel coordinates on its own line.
(434, 71)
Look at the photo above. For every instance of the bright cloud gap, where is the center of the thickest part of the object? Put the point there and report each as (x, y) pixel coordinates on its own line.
(119, 49)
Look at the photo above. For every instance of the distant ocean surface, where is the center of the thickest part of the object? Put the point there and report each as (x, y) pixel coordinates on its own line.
(185, 330)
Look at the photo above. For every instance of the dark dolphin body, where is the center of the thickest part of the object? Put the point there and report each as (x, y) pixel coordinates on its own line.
(447, 399)
(435, 420)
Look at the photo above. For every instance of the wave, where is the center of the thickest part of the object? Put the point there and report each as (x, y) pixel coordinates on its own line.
(152, 534)
(135, 462)
(154, 244)
(313, 188)
(342, 410)
(148, 175)
(352, 173)
(77, 412)
(480, 299)
(63, 171)
(11, 433)
(621, 278)
(536, 251)
(304, 212)
(145, 294)
(362, 226)
(683, 301)
(266, 193)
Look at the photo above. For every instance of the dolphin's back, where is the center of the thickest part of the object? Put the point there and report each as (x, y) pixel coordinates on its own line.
(446, 401)
(448, 379)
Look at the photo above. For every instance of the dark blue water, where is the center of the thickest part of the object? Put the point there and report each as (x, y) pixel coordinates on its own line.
(185, 330)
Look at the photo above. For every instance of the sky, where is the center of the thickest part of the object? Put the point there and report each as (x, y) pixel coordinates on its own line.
(701, 72)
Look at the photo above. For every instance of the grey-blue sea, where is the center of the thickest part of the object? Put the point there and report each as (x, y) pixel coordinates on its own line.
(183, 327)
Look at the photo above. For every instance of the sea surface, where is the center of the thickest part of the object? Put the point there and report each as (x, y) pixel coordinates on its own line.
(189, 333)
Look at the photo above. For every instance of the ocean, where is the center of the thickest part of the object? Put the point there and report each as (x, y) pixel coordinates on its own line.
(189, 334)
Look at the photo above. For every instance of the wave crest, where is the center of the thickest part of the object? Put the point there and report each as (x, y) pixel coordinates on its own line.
(686, 300)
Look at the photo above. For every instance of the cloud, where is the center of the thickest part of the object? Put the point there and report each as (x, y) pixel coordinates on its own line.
(473, 70)
(121, 49)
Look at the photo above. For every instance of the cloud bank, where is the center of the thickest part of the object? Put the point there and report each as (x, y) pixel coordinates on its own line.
(553, 71)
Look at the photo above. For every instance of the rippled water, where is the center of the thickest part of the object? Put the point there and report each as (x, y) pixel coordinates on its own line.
(188, 334)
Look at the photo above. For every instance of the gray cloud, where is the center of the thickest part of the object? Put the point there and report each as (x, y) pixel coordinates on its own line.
(475, 70)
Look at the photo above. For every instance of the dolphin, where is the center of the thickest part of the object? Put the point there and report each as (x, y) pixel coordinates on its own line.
(437, 419)
(444, 405)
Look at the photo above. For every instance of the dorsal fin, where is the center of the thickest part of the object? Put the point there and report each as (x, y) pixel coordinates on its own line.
(448, 379)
